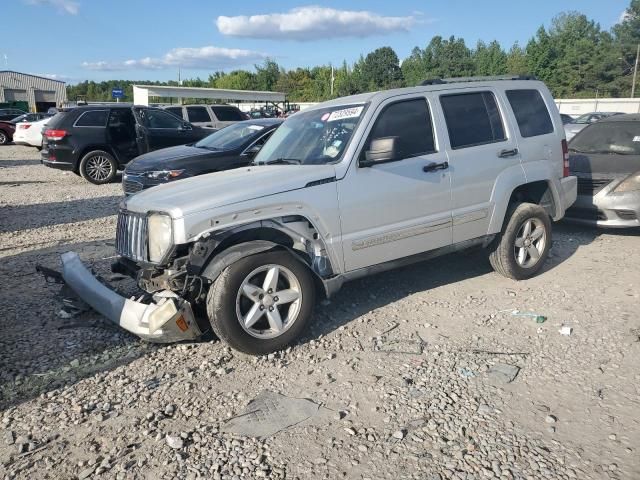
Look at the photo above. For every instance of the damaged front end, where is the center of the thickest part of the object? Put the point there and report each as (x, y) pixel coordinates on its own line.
(161, 317)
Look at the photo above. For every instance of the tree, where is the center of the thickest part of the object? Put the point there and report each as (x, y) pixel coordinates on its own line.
(489, 59)
(381, 69)
(517, 61)
(267, 75)
(237, 80)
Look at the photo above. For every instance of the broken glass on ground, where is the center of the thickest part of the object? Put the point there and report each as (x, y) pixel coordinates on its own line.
(414, 345)
(503, 373)
(271, 412)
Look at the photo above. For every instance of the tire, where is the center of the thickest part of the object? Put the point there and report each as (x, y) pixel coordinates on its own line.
(98, 167)
(506, 255)
(247, 325)
(4, 138)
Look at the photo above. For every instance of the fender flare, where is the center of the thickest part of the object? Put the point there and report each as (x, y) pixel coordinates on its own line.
(242, 250)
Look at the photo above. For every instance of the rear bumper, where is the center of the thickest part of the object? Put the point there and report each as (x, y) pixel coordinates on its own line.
(57, 165)
(167, 318)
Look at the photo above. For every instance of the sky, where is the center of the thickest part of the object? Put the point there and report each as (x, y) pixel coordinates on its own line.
(75, 40)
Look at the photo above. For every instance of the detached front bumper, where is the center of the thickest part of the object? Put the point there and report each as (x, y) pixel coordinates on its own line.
(168, 318)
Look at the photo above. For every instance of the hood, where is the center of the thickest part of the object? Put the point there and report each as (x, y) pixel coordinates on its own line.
(219, 189)
(166, 158)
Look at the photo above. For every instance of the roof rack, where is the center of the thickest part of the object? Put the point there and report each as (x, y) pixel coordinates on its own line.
(443, 81)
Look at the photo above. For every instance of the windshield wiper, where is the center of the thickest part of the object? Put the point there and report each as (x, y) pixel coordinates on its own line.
(282, 161)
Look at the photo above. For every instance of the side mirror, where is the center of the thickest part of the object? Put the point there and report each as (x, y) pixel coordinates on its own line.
(186, 126)
(253, 150)
(380, 150)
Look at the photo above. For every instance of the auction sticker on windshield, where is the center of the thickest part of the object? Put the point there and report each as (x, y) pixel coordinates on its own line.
(345, 113)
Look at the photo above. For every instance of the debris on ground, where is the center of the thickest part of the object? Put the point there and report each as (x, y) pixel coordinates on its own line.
(565, 330)
(466, 373)
(269, 413)
(536, 316)
(503, 372)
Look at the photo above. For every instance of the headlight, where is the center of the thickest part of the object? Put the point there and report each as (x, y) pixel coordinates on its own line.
(160, 236)
(164, 174)
(629, 184)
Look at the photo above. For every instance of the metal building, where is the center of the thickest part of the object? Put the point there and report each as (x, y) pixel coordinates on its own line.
(39, 93)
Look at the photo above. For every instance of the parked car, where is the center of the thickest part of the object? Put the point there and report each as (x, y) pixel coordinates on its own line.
(232, 147)
(29, 117)
(571, 129)
(96, 140)
(566, 118)
(208, 116)
(605, 157)
(7, 130)
(10, 113)
(342, 190)
(30, 133)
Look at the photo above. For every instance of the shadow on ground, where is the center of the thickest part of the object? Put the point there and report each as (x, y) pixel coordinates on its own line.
(19, 217)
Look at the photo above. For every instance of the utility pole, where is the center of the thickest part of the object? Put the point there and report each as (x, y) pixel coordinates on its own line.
(332, 80)
(635, 73)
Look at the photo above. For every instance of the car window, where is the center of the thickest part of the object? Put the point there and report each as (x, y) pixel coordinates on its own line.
(177, 111)
(609, 138)
(231, 137)
(227, 114)
(161, 119)
(472, 119)
(92, 118)
(410, 122)
(531, 112)
(198, 114)
(121, 117)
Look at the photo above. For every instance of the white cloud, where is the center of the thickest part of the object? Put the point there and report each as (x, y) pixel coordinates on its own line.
(623, 16)
(313, 23)
(67, 6)
(208, 57)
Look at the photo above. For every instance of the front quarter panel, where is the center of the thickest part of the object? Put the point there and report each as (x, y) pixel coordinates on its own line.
(318, 204)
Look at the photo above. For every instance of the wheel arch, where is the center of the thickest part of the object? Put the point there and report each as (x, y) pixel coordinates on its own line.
(539, 192)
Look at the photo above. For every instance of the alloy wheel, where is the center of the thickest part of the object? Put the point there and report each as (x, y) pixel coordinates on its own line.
(98, 168)
(268, 301)
(530, 243)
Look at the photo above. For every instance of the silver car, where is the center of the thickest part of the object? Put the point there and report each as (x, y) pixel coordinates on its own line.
(577, 125)
(605, 157)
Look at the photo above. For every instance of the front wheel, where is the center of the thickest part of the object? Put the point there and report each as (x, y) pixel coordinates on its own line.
(522, 247)
(4, 138)
(261, 303)
(98, 167)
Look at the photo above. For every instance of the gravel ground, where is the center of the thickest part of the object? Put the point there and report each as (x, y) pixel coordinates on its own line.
(411, 367)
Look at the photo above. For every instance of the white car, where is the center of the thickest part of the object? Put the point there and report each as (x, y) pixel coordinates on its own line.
(30, 133)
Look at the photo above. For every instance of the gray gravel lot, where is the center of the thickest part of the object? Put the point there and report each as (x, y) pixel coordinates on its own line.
(407, 365)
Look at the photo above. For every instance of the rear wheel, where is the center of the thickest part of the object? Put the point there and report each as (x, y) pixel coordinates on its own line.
(261, 303)
(98, 167)
(522, 247)
(4, 138)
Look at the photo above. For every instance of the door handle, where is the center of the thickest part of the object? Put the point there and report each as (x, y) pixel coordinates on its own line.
(508, 153)
(432, 167)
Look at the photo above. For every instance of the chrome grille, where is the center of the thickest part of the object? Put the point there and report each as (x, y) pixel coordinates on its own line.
(131, 236)
(131, 186)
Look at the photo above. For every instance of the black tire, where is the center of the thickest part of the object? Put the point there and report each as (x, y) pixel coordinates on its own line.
(98, 167)
(503, 252)
(4, 138)
(224, 303)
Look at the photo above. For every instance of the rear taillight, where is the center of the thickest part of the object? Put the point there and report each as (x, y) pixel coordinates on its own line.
(23, 127)
(565, 159)
(55, 134)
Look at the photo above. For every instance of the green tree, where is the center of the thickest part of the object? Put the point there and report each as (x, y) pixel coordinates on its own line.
(267, 75)
(489, 59)
(381, 69)
(517, 63)
(237, 80)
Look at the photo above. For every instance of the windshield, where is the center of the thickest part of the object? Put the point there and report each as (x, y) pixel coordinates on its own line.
(316, 137)
(19, 118)
(231, 137)
(609, 137)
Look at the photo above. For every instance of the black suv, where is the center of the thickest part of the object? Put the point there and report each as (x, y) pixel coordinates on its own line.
(96, 140)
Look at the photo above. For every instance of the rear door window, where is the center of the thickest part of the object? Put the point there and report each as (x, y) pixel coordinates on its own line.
(410, 122)
(227, 114)
(198, 114)
(92, 118)
(161, 119)
(531, 112)
(177, 111)
(472, 119)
